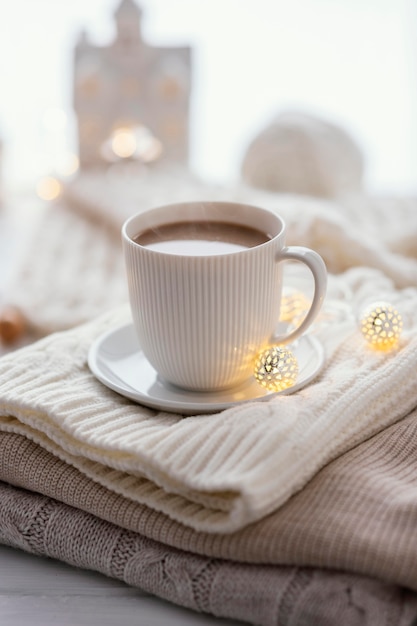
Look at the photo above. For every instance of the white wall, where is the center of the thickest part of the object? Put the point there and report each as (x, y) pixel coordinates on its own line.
(353, 61)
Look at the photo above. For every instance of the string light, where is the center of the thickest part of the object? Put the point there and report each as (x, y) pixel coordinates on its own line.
(48, 188)
(381, 325)
(294, 306)
(276, 368)
(135, 143)
(123, 143)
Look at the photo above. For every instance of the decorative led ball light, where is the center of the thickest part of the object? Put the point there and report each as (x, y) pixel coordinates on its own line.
(276, 368)
(381, 325)
(294, 306)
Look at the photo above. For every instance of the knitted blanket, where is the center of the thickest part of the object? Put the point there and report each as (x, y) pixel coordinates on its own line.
(73, 268)
(354, 230)
(320, 478)
(214, 473)
(263, 595)
(358, 514)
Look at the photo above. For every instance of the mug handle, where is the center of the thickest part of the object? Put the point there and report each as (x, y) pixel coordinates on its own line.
(318, 268)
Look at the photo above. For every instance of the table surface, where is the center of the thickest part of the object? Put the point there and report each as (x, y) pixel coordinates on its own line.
(38, 591)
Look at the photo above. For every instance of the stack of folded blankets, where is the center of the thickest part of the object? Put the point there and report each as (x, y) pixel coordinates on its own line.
(298, 510)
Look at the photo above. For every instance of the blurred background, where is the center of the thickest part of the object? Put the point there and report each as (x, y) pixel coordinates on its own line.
(353, 62)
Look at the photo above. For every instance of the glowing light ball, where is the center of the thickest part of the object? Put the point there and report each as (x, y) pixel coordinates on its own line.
(276, 368)
(381, 325)
(294, 306)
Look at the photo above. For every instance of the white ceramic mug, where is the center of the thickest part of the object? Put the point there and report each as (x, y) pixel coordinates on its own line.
(201, 320)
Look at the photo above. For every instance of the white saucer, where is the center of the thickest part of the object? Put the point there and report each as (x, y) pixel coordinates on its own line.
(115, 358)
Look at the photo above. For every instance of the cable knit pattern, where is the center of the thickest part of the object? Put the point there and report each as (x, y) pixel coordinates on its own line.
(72, 270)
(215, 473)
(340, 520)
(262, 595)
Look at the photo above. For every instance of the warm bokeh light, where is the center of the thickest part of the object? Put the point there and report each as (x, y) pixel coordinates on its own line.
(294, 306)
(152, 151)
(135, 142)
(48, 188)
(124, 143)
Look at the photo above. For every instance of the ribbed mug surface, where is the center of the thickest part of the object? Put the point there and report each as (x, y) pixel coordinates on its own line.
(201, 320)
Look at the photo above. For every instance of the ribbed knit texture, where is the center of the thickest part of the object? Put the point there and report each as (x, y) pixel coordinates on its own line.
(262, 595)
(214, 473)
(358, 514)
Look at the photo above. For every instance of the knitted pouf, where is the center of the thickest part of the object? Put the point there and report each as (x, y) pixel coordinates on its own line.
(300, 153)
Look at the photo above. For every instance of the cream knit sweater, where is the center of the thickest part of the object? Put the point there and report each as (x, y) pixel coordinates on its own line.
(219, 472)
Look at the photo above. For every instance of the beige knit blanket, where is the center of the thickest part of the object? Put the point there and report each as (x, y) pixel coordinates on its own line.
(214, 473)
(358, 514)
(264, 595)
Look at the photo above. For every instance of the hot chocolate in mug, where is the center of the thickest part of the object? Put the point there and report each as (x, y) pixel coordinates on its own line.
(205, 285)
